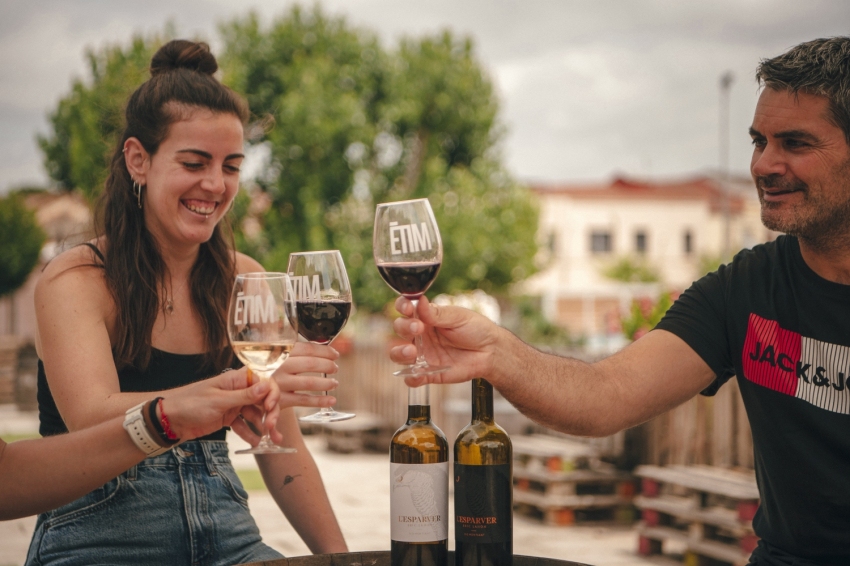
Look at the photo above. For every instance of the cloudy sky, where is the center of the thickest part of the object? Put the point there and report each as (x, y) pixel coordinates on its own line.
(588, 88)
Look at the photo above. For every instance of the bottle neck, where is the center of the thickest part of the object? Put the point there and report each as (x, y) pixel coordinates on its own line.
(419, 404)
(482, 400)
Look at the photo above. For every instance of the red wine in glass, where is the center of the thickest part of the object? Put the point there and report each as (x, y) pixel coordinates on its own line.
(410, 279)
(322, 306)
(408, 253)
(321, 321)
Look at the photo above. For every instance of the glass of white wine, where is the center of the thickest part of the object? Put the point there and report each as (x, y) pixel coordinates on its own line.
(263, 329)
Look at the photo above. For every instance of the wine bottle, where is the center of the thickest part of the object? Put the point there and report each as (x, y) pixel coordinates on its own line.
(483, 487)
(419, 485)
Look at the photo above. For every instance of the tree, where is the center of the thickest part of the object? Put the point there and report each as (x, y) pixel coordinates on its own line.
(88, 121)
(356, 125)
(320, 82)
(21, 240)
(631, 270)
(344, 124)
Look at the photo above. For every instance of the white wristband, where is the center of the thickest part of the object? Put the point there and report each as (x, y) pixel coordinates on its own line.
(134, 424)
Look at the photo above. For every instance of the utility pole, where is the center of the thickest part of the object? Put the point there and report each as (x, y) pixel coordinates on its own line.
(725, 86)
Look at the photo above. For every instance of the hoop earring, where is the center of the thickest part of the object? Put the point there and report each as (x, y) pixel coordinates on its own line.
(137, 190)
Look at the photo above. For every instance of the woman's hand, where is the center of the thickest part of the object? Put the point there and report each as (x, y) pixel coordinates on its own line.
(307, 357)
(225, 400)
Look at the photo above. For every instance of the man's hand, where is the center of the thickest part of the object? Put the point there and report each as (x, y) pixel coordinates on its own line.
(451, 336)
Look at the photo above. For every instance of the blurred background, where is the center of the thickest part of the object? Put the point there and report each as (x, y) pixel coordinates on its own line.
(586, 160)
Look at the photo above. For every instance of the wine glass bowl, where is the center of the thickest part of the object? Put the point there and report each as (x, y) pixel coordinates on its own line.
(408, 253)
(322, 297)
(262, 330)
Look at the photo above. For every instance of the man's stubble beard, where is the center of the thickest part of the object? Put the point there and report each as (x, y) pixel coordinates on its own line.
(826, 227)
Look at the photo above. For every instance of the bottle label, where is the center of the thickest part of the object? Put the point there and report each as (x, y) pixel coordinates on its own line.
(483, 501)
(419, 502)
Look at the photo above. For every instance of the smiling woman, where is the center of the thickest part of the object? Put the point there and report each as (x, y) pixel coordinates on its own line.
(142, 309)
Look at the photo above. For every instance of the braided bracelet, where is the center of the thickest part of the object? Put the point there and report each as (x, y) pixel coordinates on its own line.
(164, 437)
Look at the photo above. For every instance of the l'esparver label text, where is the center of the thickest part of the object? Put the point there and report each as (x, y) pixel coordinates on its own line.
(419, 501)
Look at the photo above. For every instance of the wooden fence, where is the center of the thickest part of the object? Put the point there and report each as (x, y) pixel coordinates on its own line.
(704, 430)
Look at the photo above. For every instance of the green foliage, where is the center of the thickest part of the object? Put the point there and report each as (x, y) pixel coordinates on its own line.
(88, 121)
(631, 270)
(346, 124)
(709, 263)
(21, 240)
(644, 315)
(355, 125)
(534, 328)
(321, 82)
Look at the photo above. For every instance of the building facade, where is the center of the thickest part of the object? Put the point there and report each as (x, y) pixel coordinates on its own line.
(674, 230)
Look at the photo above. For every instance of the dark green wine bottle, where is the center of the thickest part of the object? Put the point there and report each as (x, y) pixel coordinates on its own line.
(419, 488)
(483, 479)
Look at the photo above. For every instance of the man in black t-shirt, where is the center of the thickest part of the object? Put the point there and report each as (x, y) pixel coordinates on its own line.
(777, 317)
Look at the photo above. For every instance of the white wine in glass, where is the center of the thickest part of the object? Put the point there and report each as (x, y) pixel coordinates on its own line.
(322, 307)
(408, 252)
(262, 331)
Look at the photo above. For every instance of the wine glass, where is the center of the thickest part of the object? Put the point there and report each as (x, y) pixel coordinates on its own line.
(262, 331)
(322, 306)
(408, 252)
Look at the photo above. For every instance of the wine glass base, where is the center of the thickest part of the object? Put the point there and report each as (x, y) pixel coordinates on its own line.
(330, 417)
(267, 450)
(416, 371)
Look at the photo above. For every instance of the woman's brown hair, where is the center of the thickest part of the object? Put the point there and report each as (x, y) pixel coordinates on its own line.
(181, 81)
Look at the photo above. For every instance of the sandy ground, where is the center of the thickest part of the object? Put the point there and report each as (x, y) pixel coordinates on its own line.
(358, 487)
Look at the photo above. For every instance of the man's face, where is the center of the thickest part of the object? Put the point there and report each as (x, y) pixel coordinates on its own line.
(801, 167)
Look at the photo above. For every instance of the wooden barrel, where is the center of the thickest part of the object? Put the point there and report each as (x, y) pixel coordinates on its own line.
(382, 558)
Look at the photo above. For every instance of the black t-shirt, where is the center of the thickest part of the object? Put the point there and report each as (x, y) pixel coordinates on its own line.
(770, 320)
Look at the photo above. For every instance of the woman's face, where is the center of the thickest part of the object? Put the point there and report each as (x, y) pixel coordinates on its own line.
(193, 177)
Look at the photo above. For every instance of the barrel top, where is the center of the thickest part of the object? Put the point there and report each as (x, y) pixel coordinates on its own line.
(382, 558)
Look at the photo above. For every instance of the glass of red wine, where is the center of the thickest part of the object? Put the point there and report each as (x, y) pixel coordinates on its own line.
(408, 252)
(322, 306)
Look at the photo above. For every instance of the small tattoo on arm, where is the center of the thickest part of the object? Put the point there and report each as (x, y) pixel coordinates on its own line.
(288, 480)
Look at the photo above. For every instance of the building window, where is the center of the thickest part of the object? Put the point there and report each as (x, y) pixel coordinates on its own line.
(688, 243)
(552, 243)
(600, 242)
(640, 242)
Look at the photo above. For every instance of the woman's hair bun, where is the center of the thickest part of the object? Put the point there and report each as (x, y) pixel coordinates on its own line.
(183, 54)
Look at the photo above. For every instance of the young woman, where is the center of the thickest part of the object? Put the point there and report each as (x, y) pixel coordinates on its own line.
(143, 308)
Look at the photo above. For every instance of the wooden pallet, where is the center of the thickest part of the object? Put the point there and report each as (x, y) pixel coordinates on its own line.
(706, 510)
(365, 432)
(539, 452)
(562, 482)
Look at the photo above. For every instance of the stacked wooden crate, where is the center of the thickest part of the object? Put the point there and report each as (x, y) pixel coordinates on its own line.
(705, 511)
(562, 482)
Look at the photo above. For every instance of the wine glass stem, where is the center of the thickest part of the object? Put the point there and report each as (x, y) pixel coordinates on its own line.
(265, 440)
(420, 357)
(326, 410)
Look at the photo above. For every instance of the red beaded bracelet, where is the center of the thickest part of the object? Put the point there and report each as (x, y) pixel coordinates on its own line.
(166, 426)
(156, 424)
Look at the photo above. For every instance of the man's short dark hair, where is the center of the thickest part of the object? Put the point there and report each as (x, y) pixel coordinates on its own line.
(820, 67)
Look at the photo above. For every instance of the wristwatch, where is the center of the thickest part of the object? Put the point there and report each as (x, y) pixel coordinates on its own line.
(134, 424)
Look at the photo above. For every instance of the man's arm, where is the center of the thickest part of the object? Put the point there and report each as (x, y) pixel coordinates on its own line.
(650, 376)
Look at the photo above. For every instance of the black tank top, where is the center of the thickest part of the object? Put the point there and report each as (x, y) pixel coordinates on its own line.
(165, 371)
